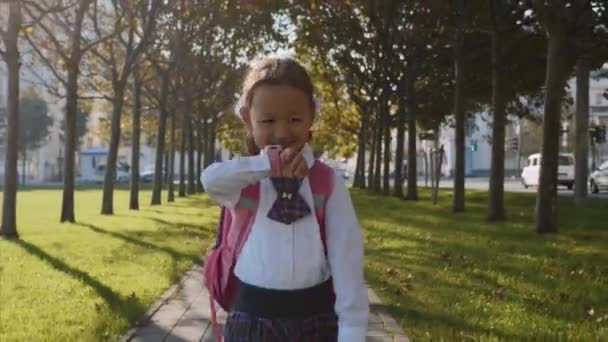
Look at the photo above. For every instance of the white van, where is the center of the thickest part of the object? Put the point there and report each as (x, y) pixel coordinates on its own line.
(565, 173)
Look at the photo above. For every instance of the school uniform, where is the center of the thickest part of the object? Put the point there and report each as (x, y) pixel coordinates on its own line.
(284, 274)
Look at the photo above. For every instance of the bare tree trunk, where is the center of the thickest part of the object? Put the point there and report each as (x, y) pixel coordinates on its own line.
(372, 159)
(171, 165)
(199, 156)
(160, 141)
(412, 107)
(67, 210)
(9, 202)
(557, 72)
(581, 172)
(359, 180)
(135, 150)
(71, 111)
(206, 158)
(437, 172)
(212, 137)
(378, 166)
(107, 204)
(496, 209)
(191, 168)
(182, 158)
(166, 156)
(458, 204)
(426, 168)
(398, 190)
(386, 185)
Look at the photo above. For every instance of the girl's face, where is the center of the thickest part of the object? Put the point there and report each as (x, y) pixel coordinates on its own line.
(279, 115)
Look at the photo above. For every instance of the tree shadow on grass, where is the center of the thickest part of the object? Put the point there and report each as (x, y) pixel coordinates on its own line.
(140, 243)
(174, 254)
(181, 225)
(455, 325)
(116, 304)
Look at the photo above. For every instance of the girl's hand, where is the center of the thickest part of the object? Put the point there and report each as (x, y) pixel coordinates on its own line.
(293, 164)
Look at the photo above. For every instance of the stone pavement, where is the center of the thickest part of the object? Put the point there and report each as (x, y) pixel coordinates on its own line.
(182, 315)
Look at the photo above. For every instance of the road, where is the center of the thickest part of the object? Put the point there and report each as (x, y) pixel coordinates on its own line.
(511, 185)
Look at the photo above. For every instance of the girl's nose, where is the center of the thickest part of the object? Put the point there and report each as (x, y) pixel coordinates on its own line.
(282, 133)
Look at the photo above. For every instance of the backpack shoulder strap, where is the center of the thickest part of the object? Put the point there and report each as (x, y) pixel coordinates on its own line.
(243, 214)
(321, 183)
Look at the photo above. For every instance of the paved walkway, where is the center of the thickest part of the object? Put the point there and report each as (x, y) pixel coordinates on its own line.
(182, 315)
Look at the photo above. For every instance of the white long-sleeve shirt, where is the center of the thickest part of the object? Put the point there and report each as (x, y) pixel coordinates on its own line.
(287, 257)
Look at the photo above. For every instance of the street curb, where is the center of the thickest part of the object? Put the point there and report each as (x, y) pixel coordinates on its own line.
(390, 325)
(166, 296)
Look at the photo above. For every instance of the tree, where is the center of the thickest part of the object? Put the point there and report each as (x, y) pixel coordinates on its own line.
(60, 45)
(459, 109)
(561, 20)
(499, 10)
(34, 125)
(11, 56)
(135, 142)
(162, 71)
(119, 57)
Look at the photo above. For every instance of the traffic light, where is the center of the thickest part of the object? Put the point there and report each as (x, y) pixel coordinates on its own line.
(473, 146)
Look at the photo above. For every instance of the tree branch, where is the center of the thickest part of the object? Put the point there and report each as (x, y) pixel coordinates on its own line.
(102, 57)
(149, 25)
(47, 62)
(44, 11)
(94, 97)
(51, 36)
(43, 82)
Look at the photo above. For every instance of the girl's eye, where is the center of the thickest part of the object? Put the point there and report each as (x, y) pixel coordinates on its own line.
(296, 119)
(267, 121)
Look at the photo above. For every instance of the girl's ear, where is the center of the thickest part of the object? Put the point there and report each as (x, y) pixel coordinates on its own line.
(245, 114)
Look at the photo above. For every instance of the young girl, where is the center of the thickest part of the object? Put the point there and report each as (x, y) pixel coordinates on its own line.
(285, 290)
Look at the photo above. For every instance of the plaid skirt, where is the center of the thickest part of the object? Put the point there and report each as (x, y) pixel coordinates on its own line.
(244, 327)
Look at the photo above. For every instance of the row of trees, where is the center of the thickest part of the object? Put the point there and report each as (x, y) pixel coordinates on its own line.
(175, 67)
(421, 64)
(171, 63)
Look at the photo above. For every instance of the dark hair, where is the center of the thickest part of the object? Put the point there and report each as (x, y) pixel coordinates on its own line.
(274, 71)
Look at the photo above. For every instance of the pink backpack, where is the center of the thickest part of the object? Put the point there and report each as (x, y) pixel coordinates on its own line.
(233, 230)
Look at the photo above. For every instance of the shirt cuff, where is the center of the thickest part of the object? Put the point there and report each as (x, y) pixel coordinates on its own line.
(260, 162)
(351, 333)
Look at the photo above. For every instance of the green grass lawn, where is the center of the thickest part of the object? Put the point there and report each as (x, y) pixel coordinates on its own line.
(88, 281)
(454, 277)
(444, 276)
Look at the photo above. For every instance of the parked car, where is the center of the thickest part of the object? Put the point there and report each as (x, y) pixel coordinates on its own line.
(122, 172)
(531, 173)
(148, 176)
(598, 180)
